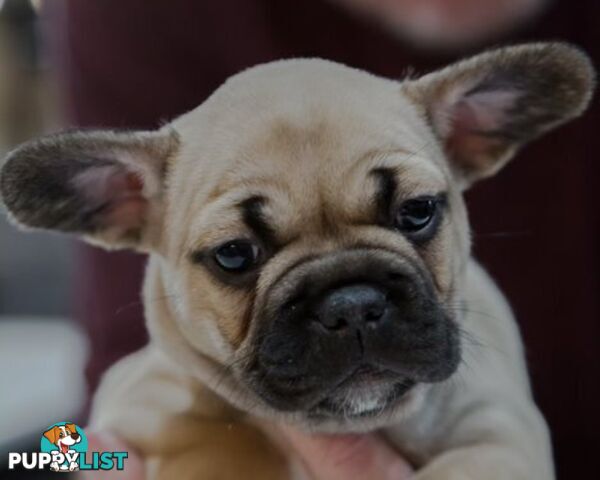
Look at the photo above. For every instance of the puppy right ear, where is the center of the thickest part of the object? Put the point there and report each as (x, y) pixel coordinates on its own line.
(71, 427)
(104, 185)
(483, 109)
(51, 435)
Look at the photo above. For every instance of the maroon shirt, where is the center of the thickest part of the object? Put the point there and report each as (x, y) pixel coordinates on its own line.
(135, 63)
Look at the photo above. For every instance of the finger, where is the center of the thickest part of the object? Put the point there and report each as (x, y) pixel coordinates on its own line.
(348, 457)
(133, 468)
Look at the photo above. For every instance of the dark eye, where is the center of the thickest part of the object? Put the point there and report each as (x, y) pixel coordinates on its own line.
(416, 214)
(237, 256)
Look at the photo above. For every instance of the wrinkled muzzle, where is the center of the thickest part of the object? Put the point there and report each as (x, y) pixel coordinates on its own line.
(352, 327)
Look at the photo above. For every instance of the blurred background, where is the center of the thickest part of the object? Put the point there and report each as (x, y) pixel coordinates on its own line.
(35, 270)
(136, 63)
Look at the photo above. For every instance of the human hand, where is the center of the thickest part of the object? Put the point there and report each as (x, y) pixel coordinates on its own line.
(448, 24)
(326, 457)
(348, 457)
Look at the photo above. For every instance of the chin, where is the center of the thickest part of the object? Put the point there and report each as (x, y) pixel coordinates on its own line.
(357, 406)
(365, 409)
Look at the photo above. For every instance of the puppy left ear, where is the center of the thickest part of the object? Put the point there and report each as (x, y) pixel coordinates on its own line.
(485, 108)
(51, 435)
(103, 185)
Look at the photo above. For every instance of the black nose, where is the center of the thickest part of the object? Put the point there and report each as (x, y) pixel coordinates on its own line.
(352, 306)
(74, 436)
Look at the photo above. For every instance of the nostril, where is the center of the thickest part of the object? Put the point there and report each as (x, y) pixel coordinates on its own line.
(334, 323)
(339, 324)
(374, 313)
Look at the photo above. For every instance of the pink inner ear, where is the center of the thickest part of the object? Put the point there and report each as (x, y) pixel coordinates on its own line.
(117, 192)
(484, 111)
(129, 209)
(473, 119)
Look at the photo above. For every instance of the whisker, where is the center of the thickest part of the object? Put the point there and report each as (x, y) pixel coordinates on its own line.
(141, 302)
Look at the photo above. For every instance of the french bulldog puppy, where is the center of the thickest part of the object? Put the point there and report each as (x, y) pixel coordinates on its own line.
(309, 263)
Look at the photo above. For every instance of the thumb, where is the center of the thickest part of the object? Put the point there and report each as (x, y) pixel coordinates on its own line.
(133, 468)
(348, 457)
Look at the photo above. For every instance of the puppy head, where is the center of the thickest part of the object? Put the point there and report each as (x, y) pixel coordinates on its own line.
(66, 434)
(306, 223)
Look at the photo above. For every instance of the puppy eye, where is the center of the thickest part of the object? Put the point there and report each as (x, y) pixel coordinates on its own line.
(415, 215)
(237, 256)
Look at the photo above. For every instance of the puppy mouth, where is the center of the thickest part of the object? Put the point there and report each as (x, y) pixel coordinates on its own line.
(367, 392)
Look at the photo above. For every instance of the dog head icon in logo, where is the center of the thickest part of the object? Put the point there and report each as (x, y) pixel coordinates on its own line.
(65, 441)
(64, 448)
